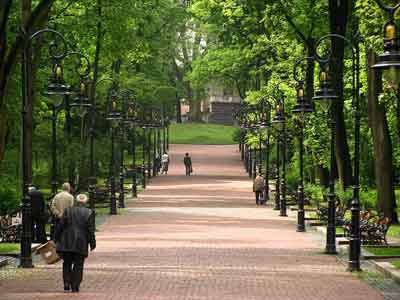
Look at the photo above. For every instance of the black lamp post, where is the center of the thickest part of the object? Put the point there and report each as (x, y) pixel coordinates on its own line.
(144, 142)
(86, 103)
(114, 115)
(241, 117)
(164, 125)
(56, 92)
(325, 96)
(280, 122)
(264, 119)
(149, 127)
(302, 108)
(389, 64)
(168, 122)
(57, 54)
(389, 61)
(143, 115)
(132, 121)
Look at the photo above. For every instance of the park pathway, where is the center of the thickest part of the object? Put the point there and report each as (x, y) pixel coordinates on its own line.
(199, 237)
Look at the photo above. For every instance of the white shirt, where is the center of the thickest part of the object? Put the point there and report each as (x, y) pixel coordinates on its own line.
(165, 158)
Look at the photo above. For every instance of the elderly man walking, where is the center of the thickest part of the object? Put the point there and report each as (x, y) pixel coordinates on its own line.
(258, 188)
(73, 236)
(60, 202)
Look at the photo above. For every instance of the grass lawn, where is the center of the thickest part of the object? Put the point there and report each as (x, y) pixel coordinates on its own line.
(396, 264)
(394, 231)
(383, 251)
(339, 230)
(201, 134)
(9, 248)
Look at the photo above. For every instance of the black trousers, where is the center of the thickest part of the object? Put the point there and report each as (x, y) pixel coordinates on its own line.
(188, 169)
(39, 230)
(258, 193)
(72, 269)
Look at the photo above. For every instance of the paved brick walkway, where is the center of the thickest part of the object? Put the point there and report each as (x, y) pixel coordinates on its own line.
(202, 238)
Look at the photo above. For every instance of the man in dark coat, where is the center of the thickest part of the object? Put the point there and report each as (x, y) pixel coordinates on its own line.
(73, 236)
(39, 216)
(188, 164)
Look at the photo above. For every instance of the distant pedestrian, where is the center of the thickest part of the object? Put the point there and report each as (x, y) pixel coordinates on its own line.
(164, 163)
(74, 235)
(60, 202)
(258, 188)
(39, 215)
(188, 164)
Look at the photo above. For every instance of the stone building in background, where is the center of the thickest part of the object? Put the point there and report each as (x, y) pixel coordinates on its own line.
(218, 107)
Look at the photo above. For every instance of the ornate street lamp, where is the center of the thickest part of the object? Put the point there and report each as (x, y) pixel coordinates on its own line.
(143, 121)
(326, 96)
(114, 115)
(280, 122)
(56, 54)
(167, 124)
(157, 123)
(81, 105)
(241, 117)
(132, 119)
(330, 97)
(55, 94)
(148, 124)
(302, 108)
(265, 123)
(389, 61)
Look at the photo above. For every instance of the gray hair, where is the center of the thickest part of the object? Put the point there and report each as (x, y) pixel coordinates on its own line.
(66, 187)
(81, 198)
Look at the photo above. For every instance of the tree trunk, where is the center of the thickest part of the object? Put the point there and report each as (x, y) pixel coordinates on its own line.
(9, 54)
(383, 156)
(26, 7)
(338, 13)
(178, 107)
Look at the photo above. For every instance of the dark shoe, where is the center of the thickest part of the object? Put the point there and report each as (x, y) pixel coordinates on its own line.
(75, 290)
(67, 288)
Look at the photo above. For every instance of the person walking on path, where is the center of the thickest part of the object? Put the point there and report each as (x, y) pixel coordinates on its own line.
(74, 235)
(188, 164)
(39, 215)
(258, 188)
(60, 202)
(165, 163)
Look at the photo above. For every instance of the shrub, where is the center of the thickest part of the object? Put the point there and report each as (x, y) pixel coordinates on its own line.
(345, 196)
(368, 199)
(237, 133)
(9, 201)
(315, 192)
(292, 177)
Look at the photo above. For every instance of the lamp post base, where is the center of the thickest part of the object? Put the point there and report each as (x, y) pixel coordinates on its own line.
(331, 250)
(25, 263)
(354, 266)
(300, 221)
